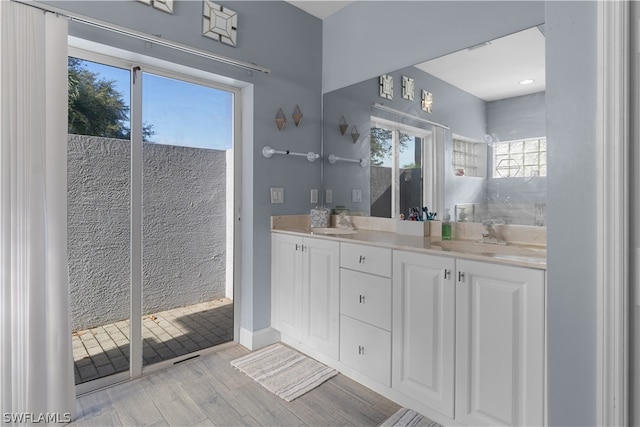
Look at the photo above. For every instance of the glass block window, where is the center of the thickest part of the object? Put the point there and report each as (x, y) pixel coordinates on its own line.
(522, 158)
(467, 157)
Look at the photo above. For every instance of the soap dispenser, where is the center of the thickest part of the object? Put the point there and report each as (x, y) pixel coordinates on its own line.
(446, 225)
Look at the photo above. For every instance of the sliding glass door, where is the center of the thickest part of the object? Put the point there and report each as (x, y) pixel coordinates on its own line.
(187, 298)
(151, 224)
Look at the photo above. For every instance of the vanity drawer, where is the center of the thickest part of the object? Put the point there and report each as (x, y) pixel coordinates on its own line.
(368, 259)
(366, 349)
(366, 297)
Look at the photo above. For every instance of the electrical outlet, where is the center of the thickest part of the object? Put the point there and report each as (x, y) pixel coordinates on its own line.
(277, 195)
(314, 196)
(328, 198)
(356, 195)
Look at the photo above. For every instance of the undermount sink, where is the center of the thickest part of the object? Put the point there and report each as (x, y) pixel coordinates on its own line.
(333, 231)
(468, 246)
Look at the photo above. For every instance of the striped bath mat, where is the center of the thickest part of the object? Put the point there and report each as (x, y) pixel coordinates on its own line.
(408, 418)
(284, 371)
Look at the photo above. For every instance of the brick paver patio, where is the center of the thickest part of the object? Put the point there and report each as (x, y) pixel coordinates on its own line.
(104, 350)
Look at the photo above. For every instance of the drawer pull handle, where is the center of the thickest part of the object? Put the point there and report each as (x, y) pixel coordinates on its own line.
(361, 260)
(360, 350)
(361, 299)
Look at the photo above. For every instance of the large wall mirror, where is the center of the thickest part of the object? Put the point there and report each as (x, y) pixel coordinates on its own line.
(464, 132)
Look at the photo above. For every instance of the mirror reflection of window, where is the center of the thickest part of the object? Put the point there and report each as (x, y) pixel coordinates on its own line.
(397, 157)
(468, 157)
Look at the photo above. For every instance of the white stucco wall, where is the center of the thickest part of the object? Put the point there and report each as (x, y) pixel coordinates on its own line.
(184, 233)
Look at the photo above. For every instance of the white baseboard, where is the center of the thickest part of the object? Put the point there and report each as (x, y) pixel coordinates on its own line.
(254, 340)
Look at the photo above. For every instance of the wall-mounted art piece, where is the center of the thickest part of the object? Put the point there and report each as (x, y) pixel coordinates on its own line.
(297, 115)
(163, 5)
(427, 101)
(342, 124)
(355, 134)
(386, 86)
(281, 120)
(407, 88)
(219, 23)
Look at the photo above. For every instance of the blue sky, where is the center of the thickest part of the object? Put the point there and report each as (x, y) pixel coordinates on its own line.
(182, 113)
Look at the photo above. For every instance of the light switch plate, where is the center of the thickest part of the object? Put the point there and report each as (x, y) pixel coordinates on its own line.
(356, 195)
(314, 196)
(328, 197)
(277, 195)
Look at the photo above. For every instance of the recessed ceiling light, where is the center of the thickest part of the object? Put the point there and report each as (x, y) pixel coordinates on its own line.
(526, 82)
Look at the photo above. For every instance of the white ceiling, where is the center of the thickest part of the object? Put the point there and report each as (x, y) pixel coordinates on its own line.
(494, 71)
(490, 72)
(320, 9)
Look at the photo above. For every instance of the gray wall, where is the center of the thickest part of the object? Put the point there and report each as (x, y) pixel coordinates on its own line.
(273, 34)
(571, 205)
(517, 118)
(184, 233)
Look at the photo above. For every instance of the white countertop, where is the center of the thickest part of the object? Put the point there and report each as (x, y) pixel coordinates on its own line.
(531, 256)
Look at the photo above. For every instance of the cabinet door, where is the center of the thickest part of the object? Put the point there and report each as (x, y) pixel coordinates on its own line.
(499, 345)
(321, 296)
(286, 284)
(424, 329)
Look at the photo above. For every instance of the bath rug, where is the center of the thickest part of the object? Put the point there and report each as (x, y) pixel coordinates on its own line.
(408, 418)
(283, 371)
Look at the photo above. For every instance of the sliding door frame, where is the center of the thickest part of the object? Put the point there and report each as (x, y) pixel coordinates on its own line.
(138, 64)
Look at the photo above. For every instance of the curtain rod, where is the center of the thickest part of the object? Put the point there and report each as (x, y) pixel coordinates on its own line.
(410, 116)
(145, 37)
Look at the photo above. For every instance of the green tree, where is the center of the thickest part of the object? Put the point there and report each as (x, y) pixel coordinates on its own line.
(95, 106)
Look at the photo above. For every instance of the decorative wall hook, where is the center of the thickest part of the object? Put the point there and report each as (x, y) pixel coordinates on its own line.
(281, 120)
(297, 116)
(354, 134)
(342, 124)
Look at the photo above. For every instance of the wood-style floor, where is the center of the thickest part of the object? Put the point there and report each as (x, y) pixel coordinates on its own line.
(208, 391)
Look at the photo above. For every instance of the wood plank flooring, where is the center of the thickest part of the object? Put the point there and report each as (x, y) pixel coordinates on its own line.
(208, 391)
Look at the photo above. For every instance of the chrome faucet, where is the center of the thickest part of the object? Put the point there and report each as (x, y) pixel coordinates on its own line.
(489, 235)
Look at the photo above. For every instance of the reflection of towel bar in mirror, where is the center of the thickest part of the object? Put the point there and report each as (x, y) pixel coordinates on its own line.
(333, 158)
(268, 152)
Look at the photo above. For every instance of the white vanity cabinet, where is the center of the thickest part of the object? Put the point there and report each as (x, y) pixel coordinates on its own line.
(365, 310)
(500, 344)
(424, 329)
(305, 291)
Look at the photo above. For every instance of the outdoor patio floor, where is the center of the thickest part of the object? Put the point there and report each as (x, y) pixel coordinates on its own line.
(104, 350)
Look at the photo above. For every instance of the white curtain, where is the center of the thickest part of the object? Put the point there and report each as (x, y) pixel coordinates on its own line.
(36, 364)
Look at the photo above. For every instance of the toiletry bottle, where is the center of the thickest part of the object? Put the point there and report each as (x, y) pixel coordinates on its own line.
(446, 225)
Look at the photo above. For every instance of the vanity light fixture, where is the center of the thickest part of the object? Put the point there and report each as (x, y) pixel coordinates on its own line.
(297, 116)
(427, 101)
(281, 120)
(386, 86)
(407, 88)
(342, 124)
(526, 81)
(355, 134)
